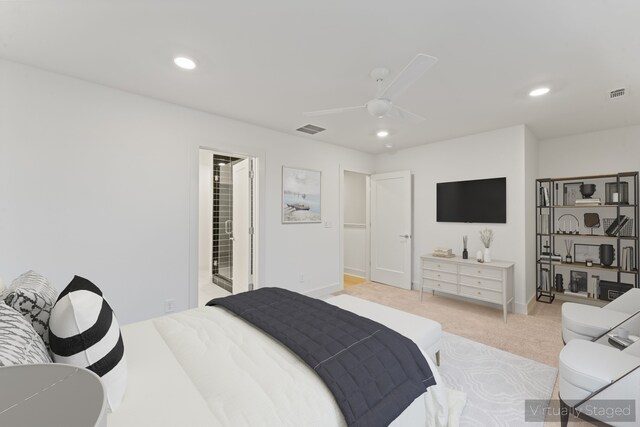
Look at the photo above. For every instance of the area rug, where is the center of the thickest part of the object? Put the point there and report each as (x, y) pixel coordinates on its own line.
(496, 382)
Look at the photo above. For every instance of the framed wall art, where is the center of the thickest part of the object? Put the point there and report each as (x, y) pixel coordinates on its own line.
(301, 196)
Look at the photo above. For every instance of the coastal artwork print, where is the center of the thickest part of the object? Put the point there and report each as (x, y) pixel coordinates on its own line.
(300, 195)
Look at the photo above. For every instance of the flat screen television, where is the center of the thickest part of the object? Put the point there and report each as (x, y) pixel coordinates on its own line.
(481, 200)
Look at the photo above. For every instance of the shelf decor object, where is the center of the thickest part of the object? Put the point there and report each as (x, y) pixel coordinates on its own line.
(465, 253)
(486, 236)
(571, 191)
(604, 248)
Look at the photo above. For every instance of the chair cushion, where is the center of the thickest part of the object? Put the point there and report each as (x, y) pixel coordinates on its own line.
(589, 366)
(589, 320)
(424, 332)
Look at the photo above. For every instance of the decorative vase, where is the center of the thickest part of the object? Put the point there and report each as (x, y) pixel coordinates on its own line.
(573, 286)
(465, 254)
(587, 190)
(487, 255)
(607, 255)
(479, 256)
(559, 283)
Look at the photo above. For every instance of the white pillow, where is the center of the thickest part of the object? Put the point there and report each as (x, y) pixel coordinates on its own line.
(84, 332)
(32, 295)
(20, 344)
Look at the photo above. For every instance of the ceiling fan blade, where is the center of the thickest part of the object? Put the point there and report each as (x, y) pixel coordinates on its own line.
(401, 113)
(332, 111)
(408, 76)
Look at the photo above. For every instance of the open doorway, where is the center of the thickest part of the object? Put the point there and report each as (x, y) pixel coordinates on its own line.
(226, 224)
(356, 228)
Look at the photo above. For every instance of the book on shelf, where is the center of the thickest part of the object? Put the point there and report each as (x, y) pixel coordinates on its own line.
(588, 202)
(577, 294)
(546, 258)
(628, 259)
(617, 225)
(544, 196)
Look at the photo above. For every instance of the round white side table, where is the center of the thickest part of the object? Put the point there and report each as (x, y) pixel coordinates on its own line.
(51, 395)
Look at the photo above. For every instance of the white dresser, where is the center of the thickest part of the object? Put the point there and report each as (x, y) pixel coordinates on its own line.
(491, 282)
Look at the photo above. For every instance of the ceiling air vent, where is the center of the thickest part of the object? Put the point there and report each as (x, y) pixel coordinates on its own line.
(617, 93)
(310, 129)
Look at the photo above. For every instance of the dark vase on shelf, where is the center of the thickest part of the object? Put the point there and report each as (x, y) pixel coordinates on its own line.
(465, 254)
(573, 286)
(607, 255)
(559, 283)
(587, 190)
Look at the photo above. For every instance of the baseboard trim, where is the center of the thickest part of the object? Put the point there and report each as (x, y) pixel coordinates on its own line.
(323, 291)
(355, 272)
(531, 303)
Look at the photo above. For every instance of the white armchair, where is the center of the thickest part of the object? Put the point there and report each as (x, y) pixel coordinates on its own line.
(591, 370)
(591, 373)
(580, 321)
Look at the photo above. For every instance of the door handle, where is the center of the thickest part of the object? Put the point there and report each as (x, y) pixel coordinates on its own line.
(227, 226)
(406, 236)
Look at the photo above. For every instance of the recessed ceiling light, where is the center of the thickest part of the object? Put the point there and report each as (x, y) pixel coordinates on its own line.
(383, 133)
(221, 164)
(184, 62)
(388, 145)
(539, 91)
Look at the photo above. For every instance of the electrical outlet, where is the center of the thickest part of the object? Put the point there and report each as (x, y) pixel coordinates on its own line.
(301, 277)
(169, 306)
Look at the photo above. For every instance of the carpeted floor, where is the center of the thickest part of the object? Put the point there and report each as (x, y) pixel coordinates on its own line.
(536, 336)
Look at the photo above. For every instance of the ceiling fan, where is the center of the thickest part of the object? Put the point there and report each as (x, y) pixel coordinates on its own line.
(383, 103)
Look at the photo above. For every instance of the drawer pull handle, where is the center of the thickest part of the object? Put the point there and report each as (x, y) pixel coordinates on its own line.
(438, 284)
(479, 282)
(479, 293)
(438, 265)
(438, 275)
(479, 271)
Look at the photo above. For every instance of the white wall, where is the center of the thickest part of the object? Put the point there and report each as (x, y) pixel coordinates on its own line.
(608, 151)
(488, 155)
(205, 215)
(355, 232)
(103, 183)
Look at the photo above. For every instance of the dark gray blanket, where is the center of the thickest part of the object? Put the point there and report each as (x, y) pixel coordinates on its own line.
(373, 372)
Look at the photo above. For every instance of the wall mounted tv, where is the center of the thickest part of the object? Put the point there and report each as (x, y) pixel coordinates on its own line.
(481, 200)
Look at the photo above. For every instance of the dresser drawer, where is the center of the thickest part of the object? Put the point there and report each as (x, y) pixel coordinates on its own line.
(440, 286)
(447, 267)
(440, 276)
(481, 282)
(479, 271)
(482, 294)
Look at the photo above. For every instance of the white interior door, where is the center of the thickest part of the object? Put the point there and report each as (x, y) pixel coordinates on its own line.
(391, 207)
(241, 226)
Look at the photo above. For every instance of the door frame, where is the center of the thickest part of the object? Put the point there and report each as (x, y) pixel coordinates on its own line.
(367, 259)
(259, 167)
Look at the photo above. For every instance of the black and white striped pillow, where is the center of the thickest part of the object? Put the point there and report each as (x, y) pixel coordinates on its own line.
(83, 331)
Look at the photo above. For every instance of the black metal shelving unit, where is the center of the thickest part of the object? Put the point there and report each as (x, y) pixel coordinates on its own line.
(547, 235)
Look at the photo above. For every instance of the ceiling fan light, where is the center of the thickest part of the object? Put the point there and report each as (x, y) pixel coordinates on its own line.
(378, 107)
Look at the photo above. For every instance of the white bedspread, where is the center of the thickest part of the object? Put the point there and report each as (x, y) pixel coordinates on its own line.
(206, 367)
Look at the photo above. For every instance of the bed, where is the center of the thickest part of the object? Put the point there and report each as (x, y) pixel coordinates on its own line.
(205, 367)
